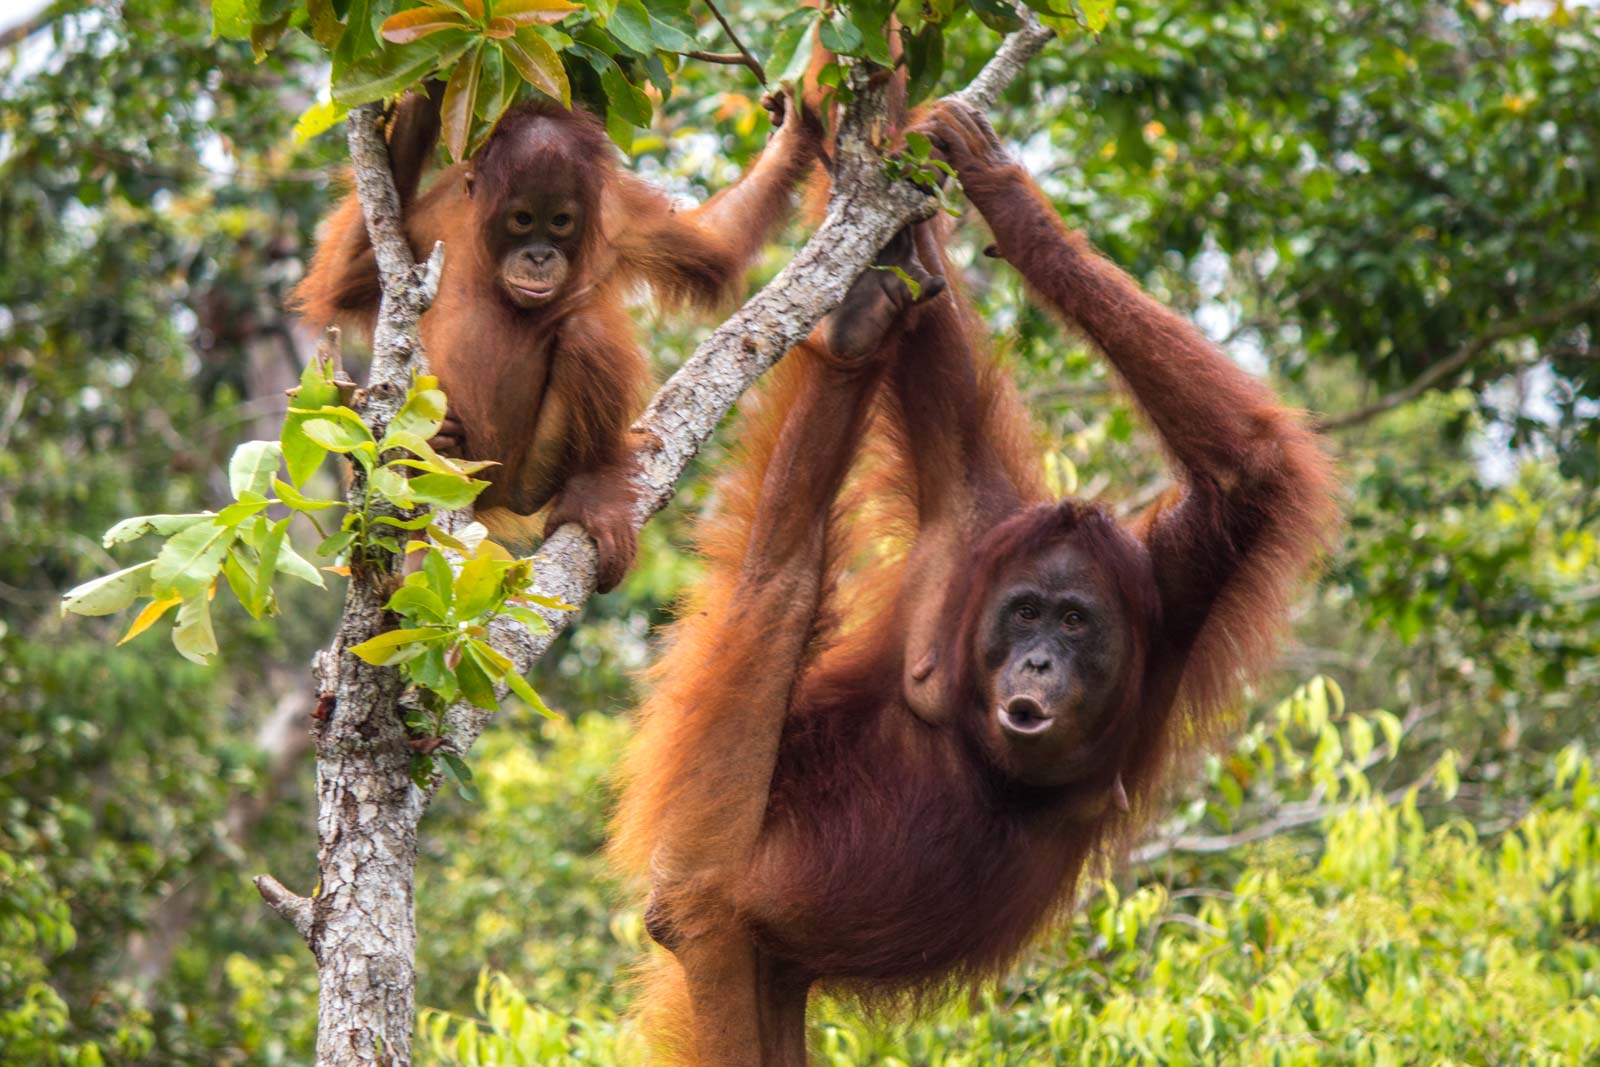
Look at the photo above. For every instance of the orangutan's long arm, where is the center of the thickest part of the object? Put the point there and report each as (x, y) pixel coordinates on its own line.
(699, 256)
(1256, 501)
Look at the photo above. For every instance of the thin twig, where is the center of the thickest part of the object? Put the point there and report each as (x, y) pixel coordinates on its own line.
(749, 60)
(1446, 369)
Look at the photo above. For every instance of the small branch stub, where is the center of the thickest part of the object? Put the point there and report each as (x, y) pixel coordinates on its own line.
(293, 907)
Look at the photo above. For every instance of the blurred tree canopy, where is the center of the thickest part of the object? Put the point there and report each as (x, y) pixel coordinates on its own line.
(1392, 210)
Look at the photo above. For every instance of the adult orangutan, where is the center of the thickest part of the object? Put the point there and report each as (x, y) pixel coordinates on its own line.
(881, 777)
(544, 237)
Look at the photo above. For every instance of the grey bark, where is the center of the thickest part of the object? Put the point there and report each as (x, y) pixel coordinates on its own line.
(361, 926)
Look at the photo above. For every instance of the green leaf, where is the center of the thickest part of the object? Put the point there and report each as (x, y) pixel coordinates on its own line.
(477, 587)
(460, 98)
(339, 435)
(436, 569)
(295, 565)
(528, 617)
(392, 70)
(475, 684)
(458, 772)
(391, 647)
(110, 593)
(1096, 13)
(446, 490)
(630, 24)
(243, 585)
(297, 500)
(790, 53)
(924, 61)
(192, 636)
(268, 551)
(526, 693)
(494, 663)
(165, 525)
(317, 120)
(538, 64)
(417, 602)
(317, 391)
(841, 37)
(627, 101)
(336, 543)
(235, 514)
(233, 18)
(421, 415)
(189, 561)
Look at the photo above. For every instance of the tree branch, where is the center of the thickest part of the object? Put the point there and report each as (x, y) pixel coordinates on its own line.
(361, 925)
(1446, 369)
(748, 60)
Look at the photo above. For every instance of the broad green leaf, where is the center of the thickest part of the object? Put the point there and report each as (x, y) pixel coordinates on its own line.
(234, 18)
(494, 663)
(110, 593)
(393, 486)
(627, 101)
(390, 646)
(630, 24)
(316, 391)
(538, 64)
(403, 27)
(445, 490)
(297, 500)
(243, 585)
(295, 565)
(316, 120)
(325, 25)
(925, 62)
(397, 68)
(531, 619)
(336, 543)
(791, 53)
(406, 524)
(441, 579)
(192, 636)
(236, 514)
(147, 618)
(190, 560)
(165, 525)
(1096, 13)
(838, 35)
(421, 416)
(477, 587)
(475, 684)
(415, 601)
(269, 551)
(459, 97)
(338, 434)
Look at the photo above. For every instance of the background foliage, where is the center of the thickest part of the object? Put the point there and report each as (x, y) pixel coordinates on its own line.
(1389, 209)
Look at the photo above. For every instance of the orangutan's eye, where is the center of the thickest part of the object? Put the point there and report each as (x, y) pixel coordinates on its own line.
(1027, 612)
(1073, 619)
(522, 220)
(561, 221)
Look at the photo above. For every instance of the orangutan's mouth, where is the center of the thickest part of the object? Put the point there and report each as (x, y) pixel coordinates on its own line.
(1024, 715)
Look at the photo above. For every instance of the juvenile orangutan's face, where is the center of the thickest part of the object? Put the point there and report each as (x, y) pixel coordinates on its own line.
(535, 235)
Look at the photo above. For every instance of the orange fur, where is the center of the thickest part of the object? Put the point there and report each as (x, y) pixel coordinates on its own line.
(806, 804)
(548, 393)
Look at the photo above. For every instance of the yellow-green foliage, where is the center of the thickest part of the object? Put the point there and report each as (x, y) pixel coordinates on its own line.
(1392, 942)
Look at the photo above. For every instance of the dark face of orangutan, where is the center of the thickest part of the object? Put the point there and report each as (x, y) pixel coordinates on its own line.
(1051, 645)
(534, 234)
